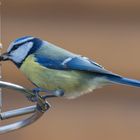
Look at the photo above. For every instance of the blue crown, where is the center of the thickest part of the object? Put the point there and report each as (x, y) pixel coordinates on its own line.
(22, 39)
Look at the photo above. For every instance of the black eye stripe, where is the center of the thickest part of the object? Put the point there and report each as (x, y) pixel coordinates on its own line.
(18, 45)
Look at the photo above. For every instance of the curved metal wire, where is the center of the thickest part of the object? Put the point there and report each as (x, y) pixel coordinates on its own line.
(22, 123)
(37, 110)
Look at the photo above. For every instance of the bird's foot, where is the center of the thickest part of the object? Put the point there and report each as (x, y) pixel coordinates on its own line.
(42, 105)
(50, 93)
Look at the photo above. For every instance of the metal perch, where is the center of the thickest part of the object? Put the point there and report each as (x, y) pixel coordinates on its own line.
(36, 110)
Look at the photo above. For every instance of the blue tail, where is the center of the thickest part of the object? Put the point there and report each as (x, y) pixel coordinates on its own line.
(123, 80)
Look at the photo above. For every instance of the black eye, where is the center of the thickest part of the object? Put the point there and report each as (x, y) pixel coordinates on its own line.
(14, 47)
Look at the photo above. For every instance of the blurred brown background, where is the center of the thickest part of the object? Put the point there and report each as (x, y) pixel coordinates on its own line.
(106, 31)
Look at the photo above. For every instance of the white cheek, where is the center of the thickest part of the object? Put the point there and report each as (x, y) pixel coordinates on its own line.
(19, 54)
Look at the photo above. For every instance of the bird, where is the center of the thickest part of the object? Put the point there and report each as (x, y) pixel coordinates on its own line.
(51, 68)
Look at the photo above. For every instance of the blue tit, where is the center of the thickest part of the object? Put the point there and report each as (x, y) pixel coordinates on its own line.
(52, 68)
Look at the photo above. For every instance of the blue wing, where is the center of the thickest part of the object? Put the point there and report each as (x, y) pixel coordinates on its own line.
(54, 57)
(71, 63)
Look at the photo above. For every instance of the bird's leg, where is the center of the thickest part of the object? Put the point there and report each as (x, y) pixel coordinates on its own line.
(53, 93)
(50, 93)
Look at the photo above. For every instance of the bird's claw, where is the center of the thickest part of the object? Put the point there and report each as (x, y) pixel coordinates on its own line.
(42, 104)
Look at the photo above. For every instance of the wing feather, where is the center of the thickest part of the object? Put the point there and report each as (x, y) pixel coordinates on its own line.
(71, 63)
(54, 57)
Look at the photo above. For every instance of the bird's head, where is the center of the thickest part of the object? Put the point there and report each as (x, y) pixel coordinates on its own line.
(20, 48)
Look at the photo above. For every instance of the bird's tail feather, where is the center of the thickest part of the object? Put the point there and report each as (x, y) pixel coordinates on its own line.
(123, 80)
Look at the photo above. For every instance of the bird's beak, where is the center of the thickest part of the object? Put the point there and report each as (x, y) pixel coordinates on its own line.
(4, 57)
